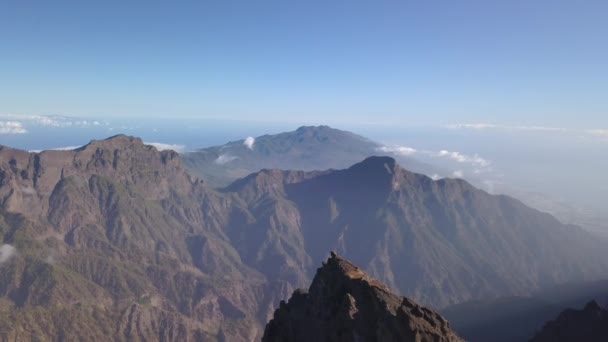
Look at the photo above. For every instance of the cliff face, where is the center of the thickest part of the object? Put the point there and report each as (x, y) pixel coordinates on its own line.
(345, 304)
(589, 325)
(115, 240)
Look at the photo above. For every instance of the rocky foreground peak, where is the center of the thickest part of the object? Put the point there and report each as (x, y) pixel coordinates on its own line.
(589, 324)
(345, 304)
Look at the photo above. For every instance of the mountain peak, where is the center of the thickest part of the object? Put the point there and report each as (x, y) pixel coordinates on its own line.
(345, 304)
(118, 141)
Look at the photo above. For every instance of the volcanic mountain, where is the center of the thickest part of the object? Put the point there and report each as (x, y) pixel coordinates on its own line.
(307, 148)
(345, 304)
(439, 242)
(116, 240)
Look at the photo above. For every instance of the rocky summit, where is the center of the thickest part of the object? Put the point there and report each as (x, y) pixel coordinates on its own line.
(345, 304)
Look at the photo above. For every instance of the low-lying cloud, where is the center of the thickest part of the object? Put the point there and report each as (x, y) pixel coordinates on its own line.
(249, 141)
(224, 158)
(399, 150)
(601, 133)
(12, 127)
(6, 252)
(458, 174)
(163, 146)
(463, 158)
(480, 126)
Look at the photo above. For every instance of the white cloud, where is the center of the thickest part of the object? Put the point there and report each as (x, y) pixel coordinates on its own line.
(463, 158)
(52, 120)
(249, 141)
(458, 174)
(472, 126)
(480, 126)
(599, 132)
(163, 146)
(435, 177)
(64, 148)
(12, 127)
(400, 150)
(6, 252)
(224, 158)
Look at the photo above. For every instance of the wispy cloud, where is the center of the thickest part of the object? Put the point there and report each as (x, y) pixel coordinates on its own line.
(23, 120)
(163, 146)
(463, 158)
(249, 141)
(12, 127)
(6, 252)
(458, 174)
(601, 133)
(480, 165)
(481, 126)
(399, 150)
(224, 158)
(63, 148)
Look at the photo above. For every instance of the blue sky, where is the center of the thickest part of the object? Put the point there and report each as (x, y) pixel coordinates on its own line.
(384, 62)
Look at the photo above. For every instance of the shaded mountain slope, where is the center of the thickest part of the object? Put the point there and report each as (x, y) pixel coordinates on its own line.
(307, 148)
(345, 304)
(589, 324)
(440, 242)
(518, 318)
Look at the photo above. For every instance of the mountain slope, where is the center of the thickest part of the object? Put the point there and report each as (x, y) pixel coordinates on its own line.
(115, 239)
(307, 148)
(440, 242)
(345, 304)
(589, 324)
(518, 318)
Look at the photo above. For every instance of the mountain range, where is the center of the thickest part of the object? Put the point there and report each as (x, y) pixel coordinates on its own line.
(116, 239)
(308, 148)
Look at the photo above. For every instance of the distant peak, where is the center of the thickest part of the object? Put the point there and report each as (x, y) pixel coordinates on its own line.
(115, 141)
(313, 128)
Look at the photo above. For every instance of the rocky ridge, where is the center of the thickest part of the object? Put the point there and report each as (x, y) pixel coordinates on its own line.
(343, 303)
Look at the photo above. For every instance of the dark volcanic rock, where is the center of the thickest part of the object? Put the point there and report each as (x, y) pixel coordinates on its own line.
(345, 304)
(589, 324)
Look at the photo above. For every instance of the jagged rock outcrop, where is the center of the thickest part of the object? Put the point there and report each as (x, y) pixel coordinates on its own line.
(589, 324)
(345, 304)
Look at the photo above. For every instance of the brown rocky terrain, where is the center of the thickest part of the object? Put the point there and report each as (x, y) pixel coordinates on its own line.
(115, 239)
(345, 304)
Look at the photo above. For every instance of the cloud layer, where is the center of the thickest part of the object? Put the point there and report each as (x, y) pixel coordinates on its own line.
(399, 150)
(520, 128)
(163, 146)
(12, 127)
(224, 158)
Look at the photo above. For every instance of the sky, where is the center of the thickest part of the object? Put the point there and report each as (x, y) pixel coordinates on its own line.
(519, 85)
(391, 63)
